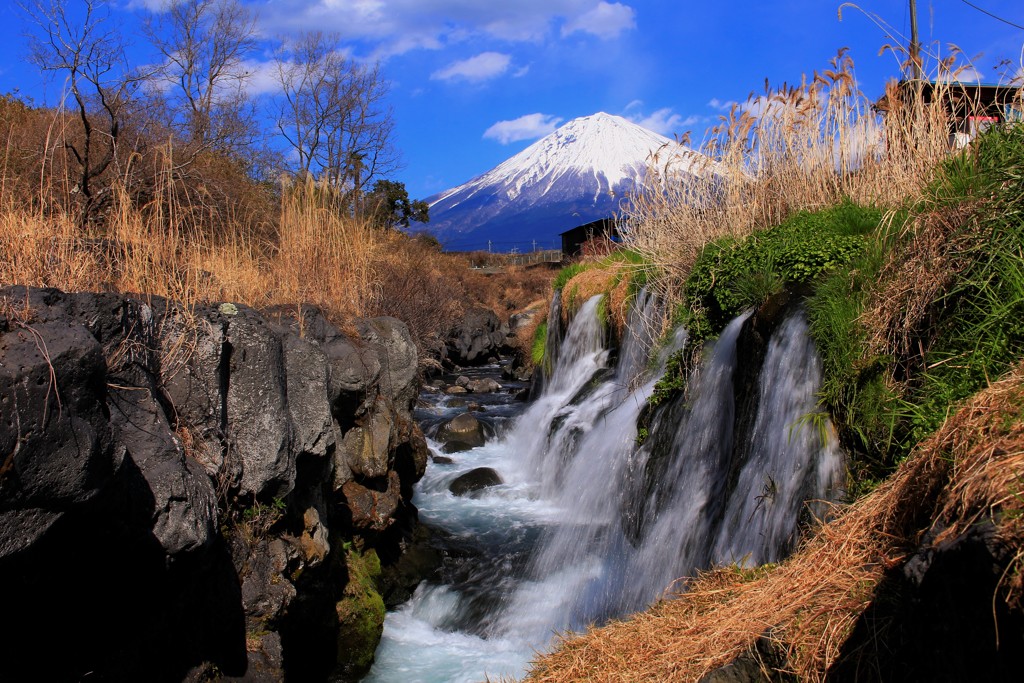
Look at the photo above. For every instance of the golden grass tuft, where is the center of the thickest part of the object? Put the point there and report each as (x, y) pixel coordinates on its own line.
(971, 469)
(319, 255)
(610, 279)
(791, 148)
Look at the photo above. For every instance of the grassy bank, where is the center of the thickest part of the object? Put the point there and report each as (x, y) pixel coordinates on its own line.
(805, 609)
(206, 226)
(907, 258)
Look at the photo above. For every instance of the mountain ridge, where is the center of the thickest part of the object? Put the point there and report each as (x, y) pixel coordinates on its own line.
(579, 173)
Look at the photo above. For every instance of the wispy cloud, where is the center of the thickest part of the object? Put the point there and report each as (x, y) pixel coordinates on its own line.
(663, 121)
(528, 127)
(482, 67)
(393, 27)
(606, 20)
(967, 74)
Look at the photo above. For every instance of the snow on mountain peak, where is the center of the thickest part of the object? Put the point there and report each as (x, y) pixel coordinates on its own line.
(607, 148)
(577, 173)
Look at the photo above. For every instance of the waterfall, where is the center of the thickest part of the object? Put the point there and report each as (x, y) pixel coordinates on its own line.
(685, 483)
(793, 455)
(589, 525)
(576, 575)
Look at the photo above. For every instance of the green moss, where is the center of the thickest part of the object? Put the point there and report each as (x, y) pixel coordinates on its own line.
(602, 311)
(540, 339)
(731, 275)
(971, 330)
(360, 613)
(568, 273)
(673, 381)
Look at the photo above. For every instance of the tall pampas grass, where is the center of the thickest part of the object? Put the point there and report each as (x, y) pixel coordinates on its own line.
(786, 149)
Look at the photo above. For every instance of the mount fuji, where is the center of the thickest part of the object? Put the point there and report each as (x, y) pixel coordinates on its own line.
(581, 172)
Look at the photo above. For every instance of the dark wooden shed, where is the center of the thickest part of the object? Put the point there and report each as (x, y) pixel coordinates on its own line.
(604, 230)
(971, 107)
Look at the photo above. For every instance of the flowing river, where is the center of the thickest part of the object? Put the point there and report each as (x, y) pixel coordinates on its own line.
(590, 524)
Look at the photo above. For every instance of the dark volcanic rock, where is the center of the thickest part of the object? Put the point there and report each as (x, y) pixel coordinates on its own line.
(184, 502)
(59, 449)
(941, 616)
(476, 338)
(475, 481)
(373, 510)
(133, 431)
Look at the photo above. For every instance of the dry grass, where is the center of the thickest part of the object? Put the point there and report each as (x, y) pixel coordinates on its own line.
(319, 255)
(971, 469)
(790, 148)
(612, 279)
(314, 251)
(935, 250)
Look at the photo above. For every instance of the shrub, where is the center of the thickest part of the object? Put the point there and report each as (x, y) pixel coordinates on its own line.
(732, 275)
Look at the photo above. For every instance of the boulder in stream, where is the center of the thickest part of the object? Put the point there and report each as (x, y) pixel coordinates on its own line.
(474, 481)
(464, 429)
(483, 386)
(476, 338)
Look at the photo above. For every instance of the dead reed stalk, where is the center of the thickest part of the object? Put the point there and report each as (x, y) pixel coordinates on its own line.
(790, 148)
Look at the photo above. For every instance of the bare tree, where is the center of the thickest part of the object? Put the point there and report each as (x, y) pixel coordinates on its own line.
(98, 83)
(204, 44)
(332, 114)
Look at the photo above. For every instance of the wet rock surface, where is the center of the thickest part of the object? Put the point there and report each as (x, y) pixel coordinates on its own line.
(208, 471)
(477, 338)
(475, 481)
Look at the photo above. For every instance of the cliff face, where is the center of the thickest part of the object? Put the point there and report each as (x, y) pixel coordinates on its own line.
(184, 493)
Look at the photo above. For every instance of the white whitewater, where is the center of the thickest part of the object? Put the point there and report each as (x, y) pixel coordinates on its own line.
(793, 455)
(588, 526)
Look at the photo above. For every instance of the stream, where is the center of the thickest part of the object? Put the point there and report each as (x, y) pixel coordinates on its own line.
(588, 523)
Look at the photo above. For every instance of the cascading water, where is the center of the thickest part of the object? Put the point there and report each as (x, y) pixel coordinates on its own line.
(793, 455)
(587, 525)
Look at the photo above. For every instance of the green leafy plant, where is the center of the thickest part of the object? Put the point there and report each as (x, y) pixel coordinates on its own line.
(540, 337)
(731, 275)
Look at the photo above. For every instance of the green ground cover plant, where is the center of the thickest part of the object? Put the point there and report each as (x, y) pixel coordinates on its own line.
(931, 311)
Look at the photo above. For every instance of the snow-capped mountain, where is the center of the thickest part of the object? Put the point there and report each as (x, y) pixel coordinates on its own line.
(580, 173)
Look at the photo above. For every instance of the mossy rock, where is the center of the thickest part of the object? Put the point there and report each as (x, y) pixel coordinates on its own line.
(360, 614)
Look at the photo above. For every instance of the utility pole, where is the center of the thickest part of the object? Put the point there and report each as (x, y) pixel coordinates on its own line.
(915, 45)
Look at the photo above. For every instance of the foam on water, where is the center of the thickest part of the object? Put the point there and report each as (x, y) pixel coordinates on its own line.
(587, 525)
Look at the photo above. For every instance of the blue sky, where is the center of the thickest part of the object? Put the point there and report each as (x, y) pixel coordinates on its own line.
(475, 81)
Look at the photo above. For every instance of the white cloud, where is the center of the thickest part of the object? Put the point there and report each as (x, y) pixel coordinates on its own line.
(721, 105)
(526, 127)
(482, 67)
(393, 27)
(155, 6)
(966, 74)
(264, 77)
(606, 20)
(663, 121)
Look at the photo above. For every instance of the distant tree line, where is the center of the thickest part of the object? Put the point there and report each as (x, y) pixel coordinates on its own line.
(193, 124)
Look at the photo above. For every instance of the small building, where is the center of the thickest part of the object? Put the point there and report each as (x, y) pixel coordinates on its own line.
(971, 107)
(591, 238)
